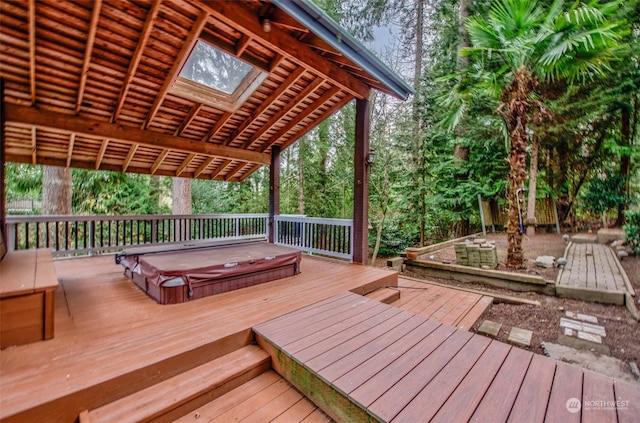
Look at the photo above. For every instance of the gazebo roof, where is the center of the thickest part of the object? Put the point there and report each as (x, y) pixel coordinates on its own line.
(96, 83)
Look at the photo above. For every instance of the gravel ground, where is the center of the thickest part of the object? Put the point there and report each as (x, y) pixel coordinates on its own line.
(623, 332)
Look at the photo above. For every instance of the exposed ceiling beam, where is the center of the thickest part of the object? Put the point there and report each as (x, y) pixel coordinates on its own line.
(188, 45)
(219, 124)
(32, 50)
(72, 141)
(216, 41)
(233, 170)
(127, 161)
(30, 116)
(242, 44)
(249, 172)
(203, 167)
(300, 117)
(192, 114)
(305, 129)
(220, 168)
(291, 79)
(103, 149)
(299, 98)
(137, 56)
(236, 16)
(184, 164)
(88, 53)
(158, 161)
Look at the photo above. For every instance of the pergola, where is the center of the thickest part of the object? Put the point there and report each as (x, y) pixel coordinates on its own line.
(101, 84)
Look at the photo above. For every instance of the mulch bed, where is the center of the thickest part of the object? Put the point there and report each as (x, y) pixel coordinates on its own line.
(623, 332)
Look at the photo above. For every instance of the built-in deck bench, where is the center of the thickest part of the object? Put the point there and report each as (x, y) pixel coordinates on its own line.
(28, 283)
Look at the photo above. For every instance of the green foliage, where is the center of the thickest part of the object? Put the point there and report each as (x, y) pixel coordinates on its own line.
(114, 193)
(604, 193)
(23, 181)
(632, 230)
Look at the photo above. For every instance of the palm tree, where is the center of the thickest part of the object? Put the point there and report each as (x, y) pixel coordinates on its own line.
(524, 42)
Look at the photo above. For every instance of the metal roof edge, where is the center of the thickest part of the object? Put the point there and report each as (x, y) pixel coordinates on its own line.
(335, 35)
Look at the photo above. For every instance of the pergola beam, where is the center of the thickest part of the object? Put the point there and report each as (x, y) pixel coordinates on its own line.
(72, 140)
(203, 167)
(220, 168)
(88, 53)
(185, 164)
(103, 149)
(137, 56)
(29, 116)
(188, 45)
(190, 117)
(127, 161)
(158, 161)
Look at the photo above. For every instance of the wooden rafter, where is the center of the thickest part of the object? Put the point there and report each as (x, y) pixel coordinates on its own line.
(236, 16)
(72, 141)
(184, 164)
(275, 62)
(220, 168)
(137, 56)
(249, 171)
(307, 128)
(29, 116)
(219, 124)
(127, 161)
(303, 115)
(158, 161)
(227, 47)
(291, 79)
(103, 149)
(242, 44)
(192, 114)
(34, 145)
(299, 98)
(232, 171)
(203, 167)
(188, 45)
(32, 50)
(91, 37)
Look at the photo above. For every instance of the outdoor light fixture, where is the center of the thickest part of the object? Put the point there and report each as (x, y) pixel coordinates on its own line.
(266, 25)
(371, 157)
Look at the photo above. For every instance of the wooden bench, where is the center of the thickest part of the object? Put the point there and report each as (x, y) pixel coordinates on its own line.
(28, 282)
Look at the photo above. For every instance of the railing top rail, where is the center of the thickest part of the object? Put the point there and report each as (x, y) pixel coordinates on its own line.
(94, 217)
(321, 220)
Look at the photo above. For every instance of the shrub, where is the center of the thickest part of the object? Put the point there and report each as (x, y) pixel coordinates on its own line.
(632, 230)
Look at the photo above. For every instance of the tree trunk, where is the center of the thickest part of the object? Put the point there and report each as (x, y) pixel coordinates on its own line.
(417, 136)
(533, 181)
(378, 239)
(181, 195)
(56, 190)
(515, 99)
(461, 227)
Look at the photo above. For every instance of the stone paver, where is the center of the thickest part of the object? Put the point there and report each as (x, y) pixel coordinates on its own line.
(590, 337)
(582, 326)
(520, 337)
(489, 328)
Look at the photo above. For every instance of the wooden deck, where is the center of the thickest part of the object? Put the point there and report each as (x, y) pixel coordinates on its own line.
(112, 340)
(592, 273)
(361, 360)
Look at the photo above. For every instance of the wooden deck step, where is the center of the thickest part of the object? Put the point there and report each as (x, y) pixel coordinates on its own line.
(266, 398)
(183, 393)
(384, 295)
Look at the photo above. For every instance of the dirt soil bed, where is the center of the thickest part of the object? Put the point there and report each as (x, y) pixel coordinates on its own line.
(623, 332)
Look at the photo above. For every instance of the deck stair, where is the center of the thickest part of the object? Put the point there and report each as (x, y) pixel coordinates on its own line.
(177, 396)
(384, 295)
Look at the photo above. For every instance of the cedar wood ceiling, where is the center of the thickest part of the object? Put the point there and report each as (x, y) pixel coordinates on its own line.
(88, 85)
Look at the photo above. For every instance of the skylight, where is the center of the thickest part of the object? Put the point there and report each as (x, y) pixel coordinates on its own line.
(215, 69)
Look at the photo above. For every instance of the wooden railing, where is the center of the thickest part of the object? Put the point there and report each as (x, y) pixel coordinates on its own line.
(331, 237)
(81, 235)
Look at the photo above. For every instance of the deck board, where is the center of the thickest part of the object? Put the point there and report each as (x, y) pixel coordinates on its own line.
(113, 332)
(430, 370)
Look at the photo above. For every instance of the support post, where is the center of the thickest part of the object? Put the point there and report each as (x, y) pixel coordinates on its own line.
(3, 198)
(274, 191)
(361, 183)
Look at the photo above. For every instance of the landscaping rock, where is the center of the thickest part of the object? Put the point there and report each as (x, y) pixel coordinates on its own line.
(634, 370)
(520, 337)
(489, 328)
(561, 262)
(622, 254)
(606, 235)
(545, 261)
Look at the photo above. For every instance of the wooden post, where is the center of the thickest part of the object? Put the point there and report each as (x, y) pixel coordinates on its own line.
(3, 199)
(274, 191)
(361, 183)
